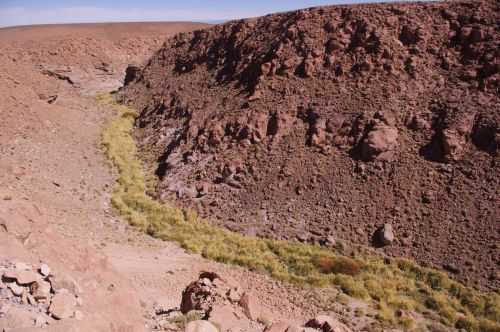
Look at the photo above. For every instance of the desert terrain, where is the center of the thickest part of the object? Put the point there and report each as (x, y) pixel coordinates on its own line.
(272, 174)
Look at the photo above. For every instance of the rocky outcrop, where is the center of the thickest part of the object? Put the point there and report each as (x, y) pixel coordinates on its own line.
(32, 293)
(339, 118)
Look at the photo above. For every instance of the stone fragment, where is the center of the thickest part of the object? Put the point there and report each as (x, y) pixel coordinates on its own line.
(385, 235)
(16, 289)
(27, 277)
(44, 270)
(63, 305)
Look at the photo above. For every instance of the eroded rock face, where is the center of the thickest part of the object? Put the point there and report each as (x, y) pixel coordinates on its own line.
(32, 295)
(298, 98)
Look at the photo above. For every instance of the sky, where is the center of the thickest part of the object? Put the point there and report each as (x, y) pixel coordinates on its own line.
(26, 12)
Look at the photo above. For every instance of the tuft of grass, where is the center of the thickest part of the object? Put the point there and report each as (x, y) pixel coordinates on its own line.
(395, 285)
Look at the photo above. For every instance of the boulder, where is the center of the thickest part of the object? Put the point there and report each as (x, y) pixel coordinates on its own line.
(379, 143)
(27, 277)
(327, 324)
(384, 236)
(200, 326)
(198, 295)
(63, 305)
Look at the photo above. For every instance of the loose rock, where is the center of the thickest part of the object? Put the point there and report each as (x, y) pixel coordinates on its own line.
(45, 270)
(385, 235)
(62, 306)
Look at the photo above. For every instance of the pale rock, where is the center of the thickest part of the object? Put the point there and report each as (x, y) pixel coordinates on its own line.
(16, 289)
(385, 235)
(63, 305)
(44, 270)
(10, 274)
(200, 326)
(27, 277)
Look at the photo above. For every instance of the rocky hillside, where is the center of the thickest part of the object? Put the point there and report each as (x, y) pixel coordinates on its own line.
(324, 125)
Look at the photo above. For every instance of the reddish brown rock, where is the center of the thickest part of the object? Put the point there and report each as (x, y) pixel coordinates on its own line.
(380, 143)
(327, 324)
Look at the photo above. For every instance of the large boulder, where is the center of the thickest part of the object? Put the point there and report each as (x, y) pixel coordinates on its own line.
(200, 294)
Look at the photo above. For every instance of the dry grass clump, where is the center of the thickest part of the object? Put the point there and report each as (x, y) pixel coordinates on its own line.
(390, 285)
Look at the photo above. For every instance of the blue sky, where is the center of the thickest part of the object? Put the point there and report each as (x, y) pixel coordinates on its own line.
(23, 12)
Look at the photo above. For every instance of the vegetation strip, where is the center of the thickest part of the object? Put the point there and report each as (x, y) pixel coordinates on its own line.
(392, 285)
